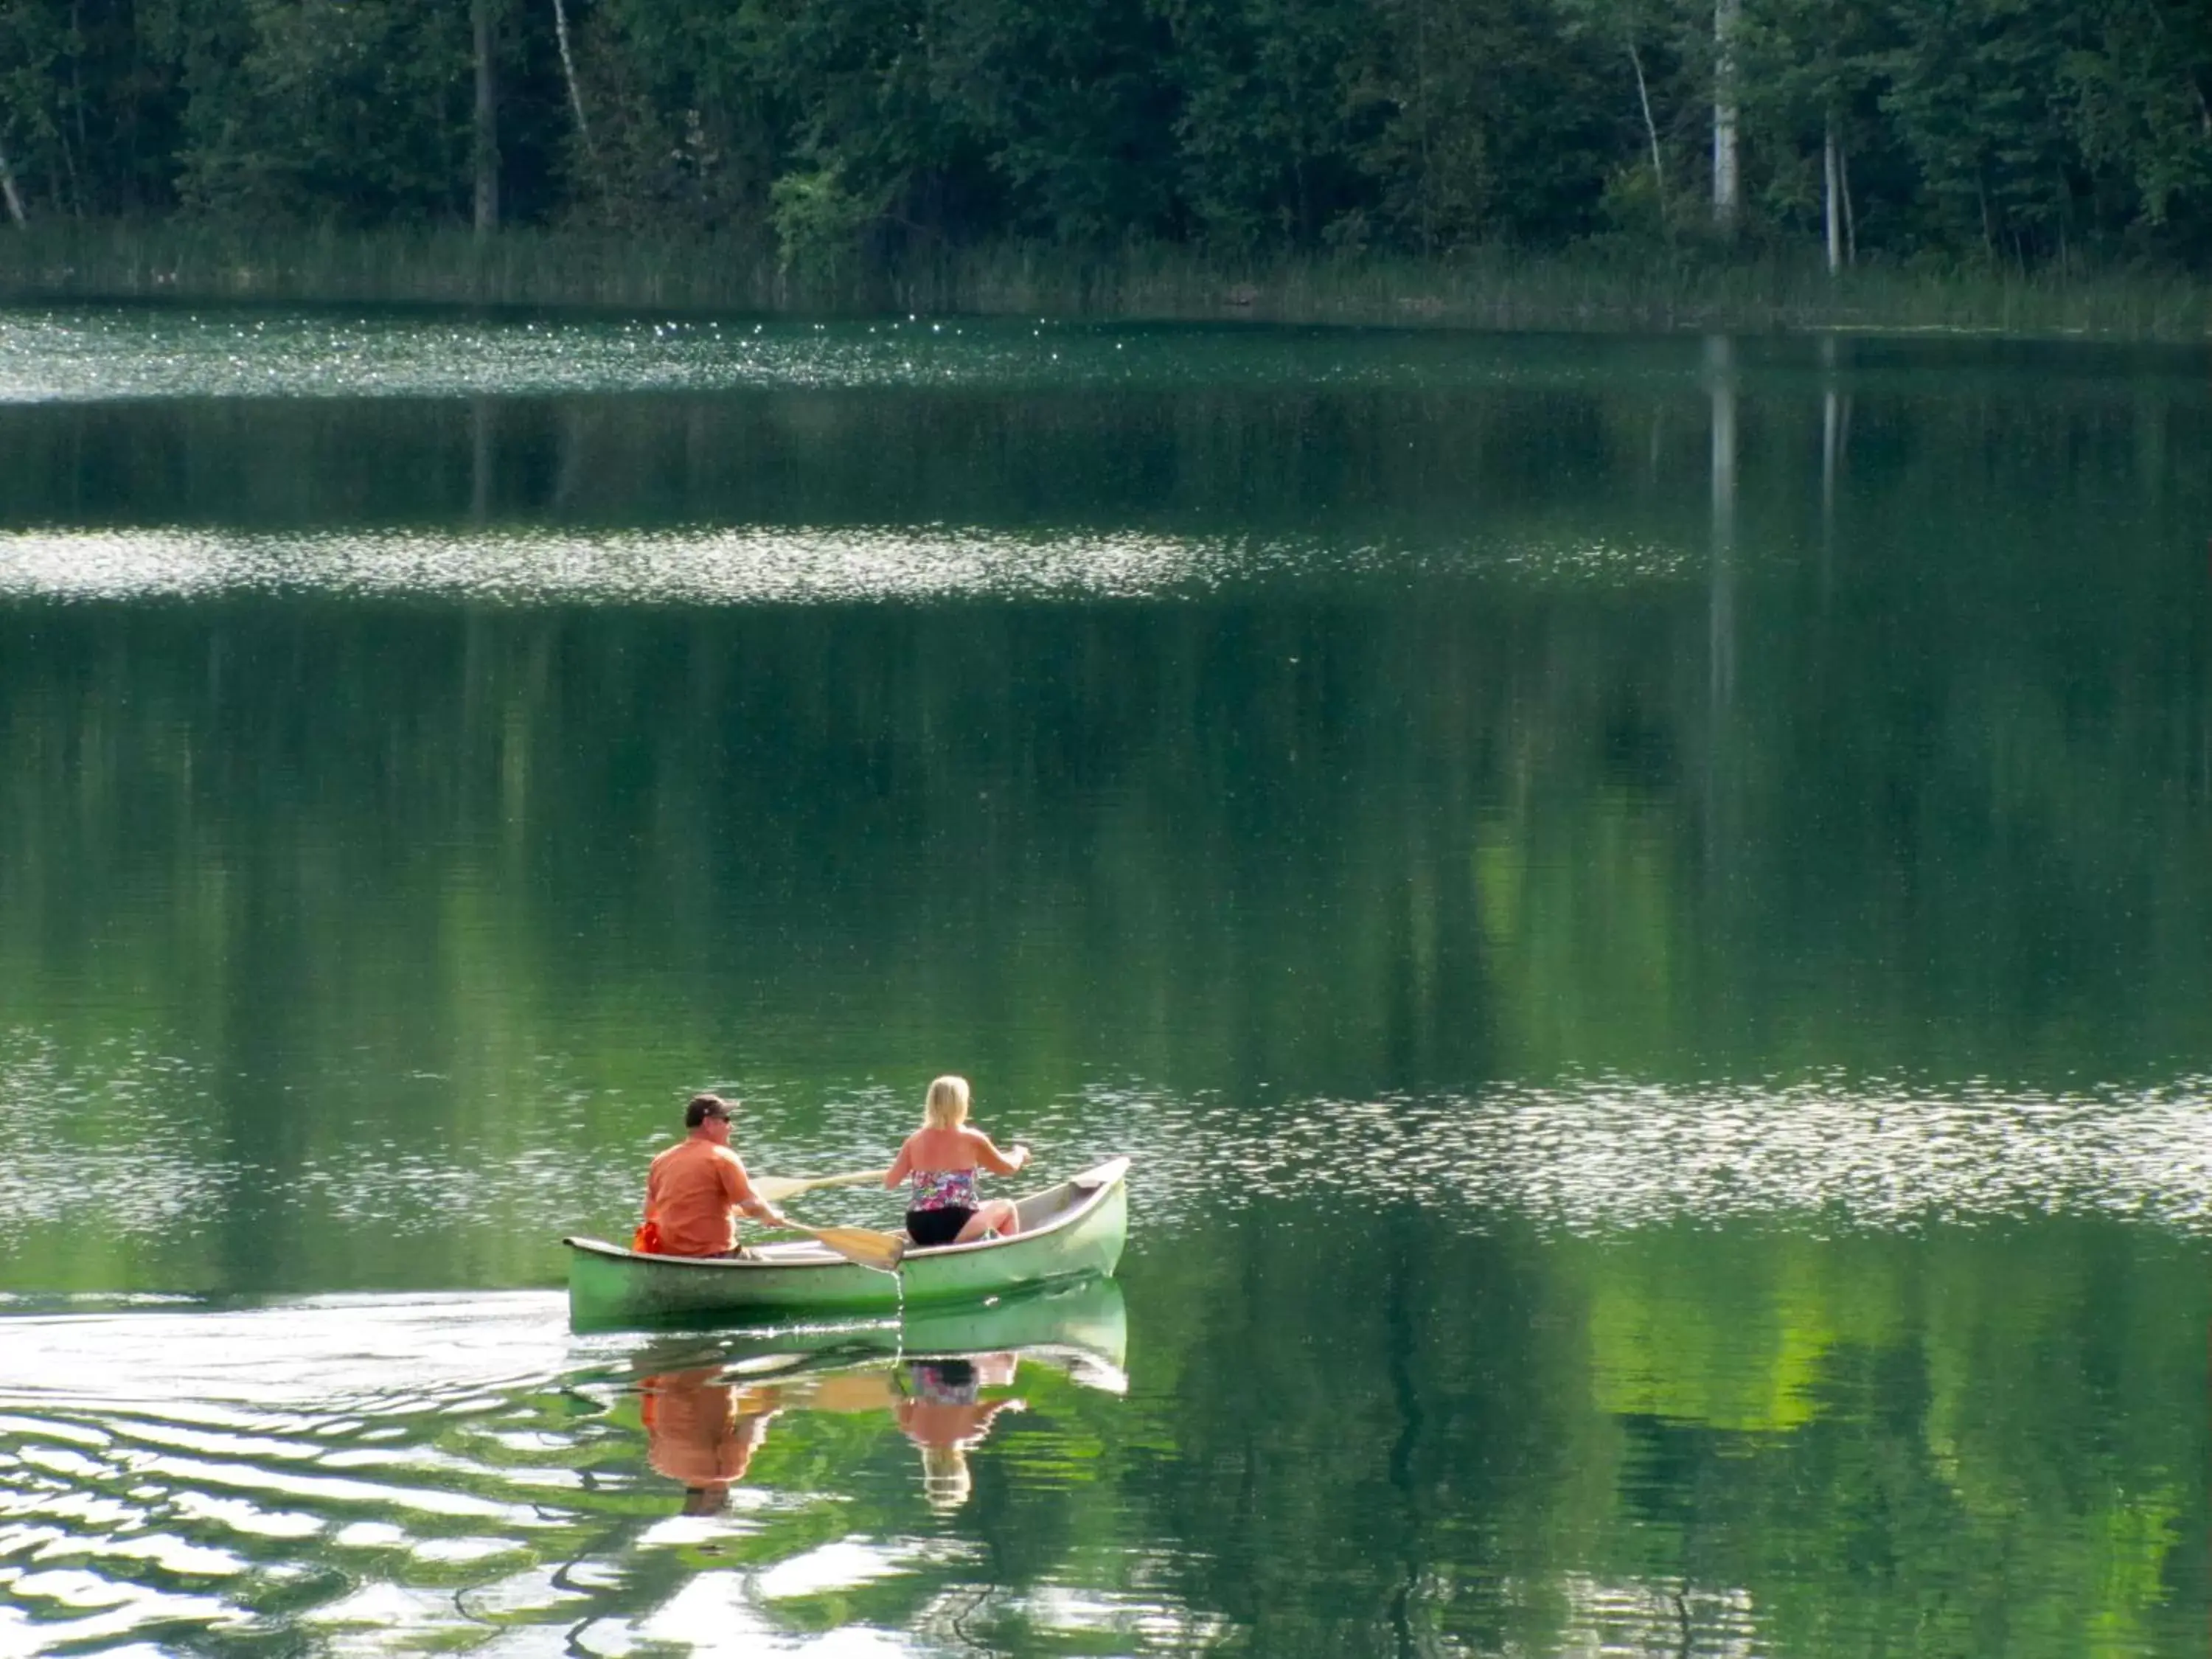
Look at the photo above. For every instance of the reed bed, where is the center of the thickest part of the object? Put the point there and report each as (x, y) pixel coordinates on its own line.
(1617, 288)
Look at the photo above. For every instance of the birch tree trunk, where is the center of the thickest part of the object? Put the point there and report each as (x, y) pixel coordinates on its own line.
(569, 74)
(1720, 816)
(1727, 177)
(487, 123)
(8, 189)
(1650, 131)
(1831, 454)
(1832, 173)
(1850, 219)
(483, 423)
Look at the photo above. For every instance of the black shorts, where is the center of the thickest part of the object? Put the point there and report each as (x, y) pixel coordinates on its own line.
(941, 1226)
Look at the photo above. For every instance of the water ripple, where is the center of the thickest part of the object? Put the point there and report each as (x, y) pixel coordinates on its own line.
(387, 1473)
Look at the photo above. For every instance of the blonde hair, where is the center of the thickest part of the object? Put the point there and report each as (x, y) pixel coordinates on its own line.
(946, 1482)
(947, 1105)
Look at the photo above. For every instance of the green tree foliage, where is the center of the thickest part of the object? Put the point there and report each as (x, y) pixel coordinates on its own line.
(356, 112)
(1498, 124)
(1969, 92)
(90, 95)
(2020, 130)
(1069, 107)
(2139, 106)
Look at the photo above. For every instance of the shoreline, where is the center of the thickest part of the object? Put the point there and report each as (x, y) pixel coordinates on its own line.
(1581, 291)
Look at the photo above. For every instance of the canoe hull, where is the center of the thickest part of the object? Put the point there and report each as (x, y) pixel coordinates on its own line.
(1076, 1228)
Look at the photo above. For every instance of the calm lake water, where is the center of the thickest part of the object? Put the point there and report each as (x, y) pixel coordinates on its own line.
(1643, 905)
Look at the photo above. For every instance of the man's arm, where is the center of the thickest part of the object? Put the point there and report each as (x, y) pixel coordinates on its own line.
(763, 1212)
(741, 1194)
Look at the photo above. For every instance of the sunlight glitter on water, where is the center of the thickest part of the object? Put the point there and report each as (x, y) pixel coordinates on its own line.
(1611, 1154)
(1579, 1156)
(753, 565)
(79, 353)
(75, 353)
(702, 566)
(105, 353)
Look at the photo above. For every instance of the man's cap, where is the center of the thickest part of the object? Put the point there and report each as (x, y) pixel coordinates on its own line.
(703, 1107)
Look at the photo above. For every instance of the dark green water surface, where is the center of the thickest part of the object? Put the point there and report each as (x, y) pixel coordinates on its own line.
(1644, 908)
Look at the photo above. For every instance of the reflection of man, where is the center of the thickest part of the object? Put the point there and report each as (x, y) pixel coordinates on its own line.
(942, 1412)
(702, 1432)
(693, 1187)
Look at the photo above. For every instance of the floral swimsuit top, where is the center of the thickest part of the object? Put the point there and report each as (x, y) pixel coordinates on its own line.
(944, 1189)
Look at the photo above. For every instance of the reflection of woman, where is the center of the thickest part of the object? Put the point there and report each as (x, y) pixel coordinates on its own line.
(941, 1158)
(942, 1411)
(702, 1432)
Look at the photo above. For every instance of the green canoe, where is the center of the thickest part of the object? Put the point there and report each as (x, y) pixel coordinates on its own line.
(1075, 1228)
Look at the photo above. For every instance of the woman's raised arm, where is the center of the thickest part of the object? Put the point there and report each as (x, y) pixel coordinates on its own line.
(992, 1159)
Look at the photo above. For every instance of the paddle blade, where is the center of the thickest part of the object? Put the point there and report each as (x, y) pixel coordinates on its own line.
(882, 1251)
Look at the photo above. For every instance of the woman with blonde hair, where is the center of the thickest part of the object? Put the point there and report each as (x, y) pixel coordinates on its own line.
(941, 1409)
(941, 1159)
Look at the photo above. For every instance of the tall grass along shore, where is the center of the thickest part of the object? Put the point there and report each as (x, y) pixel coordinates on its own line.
(1625, 289)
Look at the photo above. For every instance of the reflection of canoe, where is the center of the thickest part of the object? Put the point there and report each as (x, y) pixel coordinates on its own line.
(941, 1377)
(1077, 1326)
(1088, 1315)
(1075, 1228)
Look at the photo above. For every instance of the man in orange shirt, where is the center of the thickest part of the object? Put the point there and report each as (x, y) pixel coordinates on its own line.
(703, 1432)
(693, 1185)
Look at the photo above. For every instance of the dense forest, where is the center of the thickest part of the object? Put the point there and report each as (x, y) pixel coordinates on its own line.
(2026, 133)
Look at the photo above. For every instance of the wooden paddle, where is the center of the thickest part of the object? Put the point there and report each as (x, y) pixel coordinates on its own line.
(777, 1189)
(882, 1251)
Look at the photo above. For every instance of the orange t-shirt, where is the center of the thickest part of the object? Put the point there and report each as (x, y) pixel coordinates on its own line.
(700, 1432)
(689, 1190)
